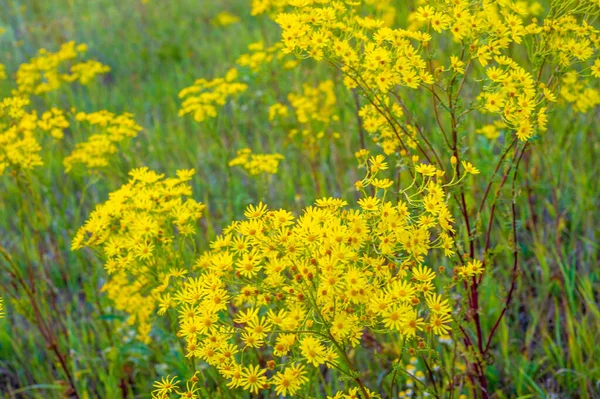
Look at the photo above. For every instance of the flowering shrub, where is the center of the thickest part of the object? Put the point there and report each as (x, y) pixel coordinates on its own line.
(277, 294)
(141, 230)
(31, 138)
(456, 267)
(510, 94)
(23, 133)
(382, 60)
(512, 63)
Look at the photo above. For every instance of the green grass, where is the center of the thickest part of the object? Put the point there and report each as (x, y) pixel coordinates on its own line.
(546, 345)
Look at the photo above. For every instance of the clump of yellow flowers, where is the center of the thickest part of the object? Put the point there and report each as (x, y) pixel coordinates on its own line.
(203, 98)
(24, 132)
(48, 71)
(260, 56)
(19, 146)
(256, 164)
(504, 64)
(142, 231)
(310, 117)
(280, 294)
(381, 60)
(109, 130)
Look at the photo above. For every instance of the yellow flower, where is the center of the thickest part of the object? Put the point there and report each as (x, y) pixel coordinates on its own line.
(469, 168)
(423, 273)
(457, 65)
(369, 203)
(312, 350)
(290, 380)
(165, 386)
(253, 212)
(395, 317)
(437, 304)
(382, 183)
(426, 169)
(438, 323)
(253, 379)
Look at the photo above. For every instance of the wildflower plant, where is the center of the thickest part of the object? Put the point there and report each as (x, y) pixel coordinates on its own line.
(504, 67)
(108, 131)
(25, 133)
(454, 244)
(142, 232)
(48, 71)
(278, 295)
(203, 98)
(312, 117)
(256, 164)
(500, 65)
(32, 138)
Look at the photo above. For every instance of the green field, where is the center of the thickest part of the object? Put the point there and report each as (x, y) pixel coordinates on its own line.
(64, 334)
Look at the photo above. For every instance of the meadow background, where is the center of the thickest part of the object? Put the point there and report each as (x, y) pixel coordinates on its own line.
(545, 347)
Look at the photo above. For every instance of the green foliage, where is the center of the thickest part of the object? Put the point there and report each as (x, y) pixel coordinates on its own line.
(544, 346)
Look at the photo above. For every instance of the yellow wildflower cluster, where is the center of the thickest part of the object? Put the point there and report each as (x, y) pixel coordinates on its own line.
(23, 131)
(304, 290)
(259, 55)
(382, 60)
(315, 103)
(54, 122)
(256, 164)
(512, 94)
(336, 32)
(48, 71)
(141, 232)
(579, 92)
(19, 147)
(386, 130)
(312, 113)
(202, 99)
(565, 38)
(268, 6)
(109, 130)
(140, 220)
